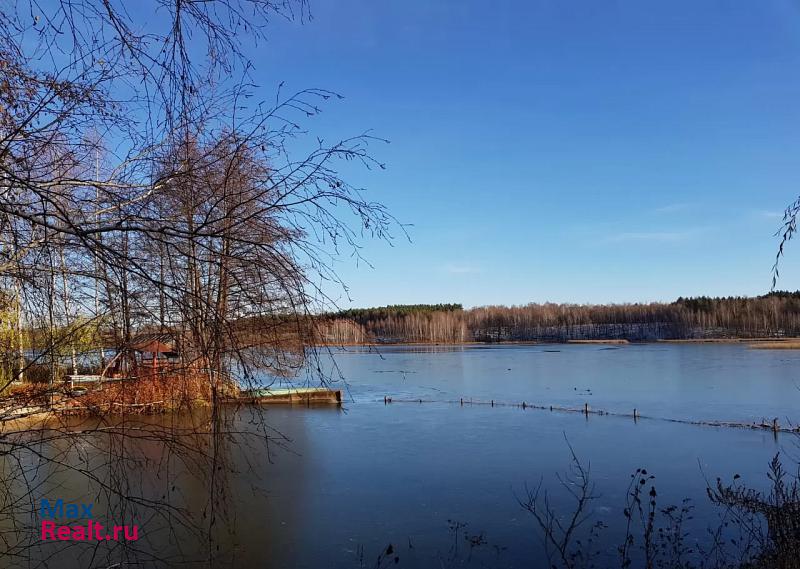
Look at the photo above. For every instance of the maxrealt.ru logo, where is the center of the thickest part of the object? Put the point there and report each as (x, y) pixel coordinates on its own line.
(77, 524)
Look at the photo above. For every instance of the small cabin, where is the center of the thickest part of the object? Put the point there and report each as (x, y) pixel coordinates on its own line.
(155, 351)
(148, 354)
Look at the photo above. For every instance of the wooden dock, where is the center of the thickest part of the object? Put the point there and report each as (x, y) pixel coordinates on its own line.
(77, 381)
(294, 396)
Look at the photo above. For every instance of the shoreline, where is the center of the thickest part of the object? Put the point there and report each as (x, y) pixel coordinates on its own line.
(757, 343)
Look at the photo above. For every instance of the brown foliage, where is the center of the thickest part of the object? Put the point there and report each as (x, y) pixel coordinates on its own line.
(149, 394)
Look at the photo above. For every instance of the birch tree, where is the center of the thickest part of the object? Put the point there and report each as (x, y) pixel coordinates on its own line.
(202, 219)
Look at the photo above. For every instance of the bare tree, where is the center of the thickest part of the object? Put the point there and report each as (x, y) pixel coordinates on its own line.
(564, 544)
(202, 221)
(785, 233)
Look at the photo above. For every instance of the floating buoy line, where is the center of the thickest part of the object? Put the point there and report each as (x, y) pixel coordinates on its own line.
(773, 425)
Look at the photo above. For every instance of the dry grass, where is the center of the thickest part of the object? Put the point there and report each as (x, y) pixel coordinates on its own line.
(26, 393)
(598, 342)
(159, 393)
(709, 340)
(789, 344)
(754, 342)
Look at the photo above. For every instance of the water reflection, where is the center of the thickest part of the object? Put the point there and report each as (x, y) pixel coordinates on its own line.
(301, 487)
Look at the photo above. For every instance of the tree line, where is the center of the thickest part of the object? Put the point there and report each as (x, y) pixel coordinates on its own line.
(776, 314)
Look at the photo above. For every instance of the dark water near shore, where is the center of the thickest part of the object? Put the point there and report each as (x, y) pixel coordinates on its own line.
(373, 474)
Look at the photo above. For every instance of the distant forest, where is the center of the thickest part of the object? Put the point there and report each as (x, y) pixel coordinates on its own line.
(772, 315)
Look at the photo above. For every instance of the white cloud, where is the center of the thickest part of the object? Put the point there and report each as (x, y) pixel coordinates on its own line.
(672, 208)
(460, 269)
(654, 236)
(766, 214)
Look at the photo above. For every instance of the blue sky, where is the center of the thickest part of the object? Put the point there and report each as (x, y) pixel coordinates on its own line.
(567, 151)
